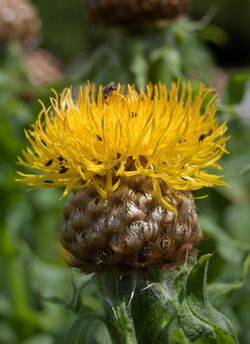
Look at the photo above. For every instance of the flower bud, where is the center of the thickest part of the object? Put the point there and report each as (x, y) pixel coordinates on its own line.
(42, 67)
(19, 21)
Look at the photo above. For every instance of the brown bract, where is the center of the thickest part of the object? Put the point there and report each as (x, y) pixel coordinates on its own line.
(130, 229)
(134, 12)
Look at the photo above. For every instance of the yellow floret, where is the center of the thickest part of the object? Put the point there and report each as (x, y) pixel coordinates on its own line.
(170, 136)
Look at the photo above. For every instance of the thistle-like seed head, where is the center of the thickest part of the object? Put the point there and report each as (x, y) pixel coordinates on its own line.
(134, 12)
(19, 21)
(130, 229)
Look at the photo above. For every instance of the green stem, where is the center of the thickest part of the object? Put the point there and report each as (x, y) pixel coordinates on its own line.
(116, 300)
(152, 314)
(120, 322)
(136, 311)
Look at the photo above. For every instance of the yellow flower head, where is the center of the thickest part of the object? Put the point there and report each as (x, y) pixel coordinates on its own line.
(173, 137)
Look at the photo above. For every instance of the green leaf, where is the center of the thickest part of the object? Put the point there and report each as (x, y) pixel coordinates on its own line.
(237, 219)
(7, 335)
(236, 88)
(165, 64)
(223, 338)
(197, 317)
(88, 329)
(230, 249)
(179, 337)
(215, 34)
(193, 327)
(202, 316)
(216, 290)
(39, 339)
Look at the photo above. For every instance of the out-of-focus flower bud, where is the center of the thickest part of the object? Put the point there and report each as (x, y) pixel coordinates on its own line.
(19, 21)
(134, 12)
(42, 67)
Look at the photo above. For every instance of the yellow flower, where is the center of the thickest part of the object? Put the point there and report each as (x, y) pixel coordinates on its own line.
(173, 137)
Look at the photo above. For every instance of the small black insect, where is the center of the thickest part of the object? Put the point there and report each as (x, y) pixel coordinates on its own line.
(203, 136)
(63, 169)
(49, 162)
(48, 181)
(182, 140)
(109, 89)
(133, 114)
(98, 137)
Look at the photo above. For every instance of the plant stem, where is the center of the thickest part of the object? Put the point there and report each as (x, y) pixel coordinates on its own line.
(120, 322)
(116, 301)
(136, 312)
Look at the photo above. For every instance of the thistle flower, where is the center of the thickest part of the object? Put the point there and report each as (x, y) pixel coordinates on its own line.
(132, 158)
(127, 12)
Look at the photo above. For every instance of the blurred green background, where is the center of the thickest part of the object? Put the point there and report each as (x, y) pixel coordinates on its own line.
(38, 293)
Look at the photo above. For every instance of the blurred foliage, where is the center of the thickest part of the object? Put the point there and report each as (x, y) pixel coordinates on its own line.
(39, 296)
(231, 15)
(154, 54)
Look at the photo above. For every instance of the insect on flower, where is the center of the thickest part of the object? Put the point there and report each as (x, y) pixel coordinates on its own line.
(109, 89)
